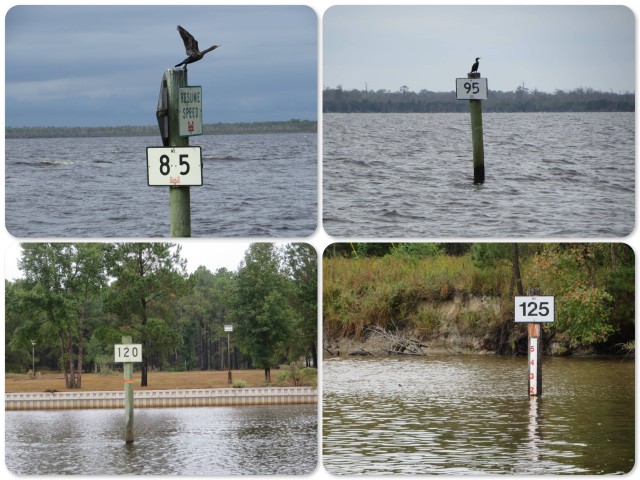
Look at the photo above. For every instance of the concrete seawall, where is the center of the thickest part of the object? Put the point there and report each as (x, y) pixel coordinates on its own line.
(162, 398)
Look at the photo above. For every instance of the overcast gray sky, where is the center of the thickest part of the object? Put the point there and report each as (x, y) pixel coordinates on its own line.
(427, 47)
(102, 65)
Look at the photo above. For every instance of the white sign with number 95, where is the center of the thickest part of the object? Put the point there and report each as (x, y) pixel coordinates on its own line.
(535, 309)
(471, 89)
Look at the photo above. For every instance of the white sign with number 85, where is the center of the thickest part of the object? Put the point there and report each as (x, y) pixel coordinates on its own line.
(174, 166)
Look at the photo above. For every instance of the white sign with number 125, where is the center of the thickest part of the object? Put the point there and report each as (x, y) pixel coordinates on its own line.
(535, 309)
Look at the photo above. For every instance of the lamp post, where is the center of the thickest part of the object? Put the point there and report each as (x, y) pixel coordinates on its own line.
(229, 329)
(33, 359)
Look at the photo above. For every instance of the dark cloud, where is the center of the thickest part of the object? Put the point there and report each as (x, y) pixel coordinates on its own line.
(85, 65)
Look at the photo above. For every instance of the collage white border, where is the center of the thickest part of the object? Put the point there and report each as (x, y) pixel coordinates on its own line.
(320, 240)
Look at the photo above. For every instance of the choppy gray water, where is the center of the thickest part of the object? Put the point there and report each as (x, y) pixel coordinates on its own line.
(473, 415)
(254, 186)
(168, 441)
(411, 175)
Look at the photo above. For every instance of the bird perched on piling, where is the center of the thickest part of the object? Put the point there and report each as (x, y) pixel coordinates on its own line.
(474, 67)
(191, 46)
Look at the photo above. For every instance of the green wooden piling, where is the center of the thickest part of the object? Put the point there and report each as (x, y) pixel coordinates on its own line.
(179, 197)
(128, 397)
(475, 107)
(229, 376)
(180, 211)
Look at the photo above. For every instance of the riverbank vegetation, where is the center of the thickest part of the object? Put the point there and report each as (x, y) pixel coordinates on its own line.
(521, 100)
(290, 126)
(461, 296)
(77, 300)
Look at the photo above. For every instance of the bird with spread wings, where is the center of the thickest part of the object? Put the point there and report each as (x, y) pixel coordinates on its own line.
(191, 46)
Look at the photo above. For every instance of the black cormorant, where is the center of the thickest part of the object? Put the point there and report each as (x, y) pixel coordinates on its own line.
(474, 67)
(191, 46)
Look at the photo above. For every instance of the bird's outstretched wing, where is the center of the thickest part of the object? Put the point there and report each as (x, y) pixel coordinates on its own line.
(190, 43)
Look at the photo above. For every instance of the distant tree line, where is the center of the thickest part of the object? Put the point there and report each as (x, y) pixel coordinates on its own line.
(77, 300)
(522, 100)
(290, 126)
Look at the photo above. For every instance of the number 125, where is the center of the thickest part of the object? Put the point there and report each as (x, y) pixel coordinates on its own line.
(535, 309)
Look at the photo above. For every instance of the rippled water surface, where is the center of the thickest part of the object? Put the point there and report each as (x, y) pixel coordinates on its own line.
(472, 414)
(547, 174)
(189, 441)
(254, 185)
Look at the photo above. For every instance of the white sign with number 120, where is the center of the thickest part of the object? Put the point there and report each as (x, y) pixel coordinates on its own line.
(535, 309)
(128, 352)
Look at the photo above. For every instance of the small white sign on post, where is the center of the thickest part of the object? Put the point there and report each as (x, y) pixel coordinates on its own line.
(228, 328)
(190, 111)
(535, 309)
(174, 166)
(471, 89)
(124, 353)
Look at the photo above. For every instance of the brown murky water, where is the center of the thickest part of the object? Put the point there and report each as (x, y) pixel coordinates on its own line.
(472, 415)
(168, 441)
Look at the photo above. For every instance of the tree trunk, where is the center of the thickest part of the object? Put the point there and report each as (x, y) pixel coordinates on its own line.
(145, 369)
(80, 355)
(267, 375)
(70, 360)
(204, 347)
(62, 361)
(314, 355)
(143, 304)
(222, 349)
(73, 378)
(81, 315)
(516, 279)
(145, 356)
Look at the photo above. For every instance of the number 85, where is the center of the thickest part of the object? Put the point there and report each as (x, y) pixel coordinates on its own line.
(165, 167)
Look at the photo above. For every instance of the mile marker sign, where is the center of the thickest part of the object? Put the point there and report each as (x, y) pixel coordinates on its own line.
(535, 309)
(174, 166)
(471, 89)
(128, 352)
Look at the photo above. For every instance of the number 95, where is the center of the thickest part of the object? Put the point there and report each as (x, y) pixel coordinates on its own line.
(472, 87)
